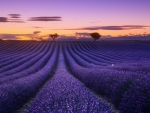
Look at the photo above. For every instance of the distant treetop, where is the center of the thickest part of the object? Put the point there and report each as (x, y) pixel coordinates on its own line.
(95, 36)
(53, 36)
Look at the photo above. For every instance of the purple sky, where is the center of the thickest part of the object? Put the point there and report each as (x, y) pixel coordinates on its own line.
(68, 17)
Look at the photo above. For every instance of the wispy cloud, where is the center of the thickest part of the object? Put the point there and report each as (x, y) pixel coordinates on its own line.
(65, 38)
(95, 22)
(16, 18)
(81, 37)
(82, 34)
(124, 27)
(36, 32)
(8, 37)
(16, 21)
(3, 19)
(106, 37)
(54, 18)
(36, 27)
(14, 15)
(131, 37)
(73, 38)
(15, 36)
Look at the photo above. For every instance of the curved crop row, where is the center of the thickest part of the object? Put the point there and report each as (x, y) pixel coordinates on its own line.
(65, 94)
(15, 47)
(80, 60)
(101, 53)
(117, 71)
(110, 83)
(31, 66)
(98, 58)
(33, 69)
(8, 60)
(13, 95)
(123, 52)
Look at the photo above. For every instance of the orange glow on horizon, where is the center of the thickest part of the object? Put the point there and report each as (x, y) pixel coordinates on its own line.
(23, 32)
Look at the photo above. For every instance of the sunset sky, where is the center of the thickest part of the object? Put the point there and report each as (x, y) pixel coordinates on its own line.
(31, 19)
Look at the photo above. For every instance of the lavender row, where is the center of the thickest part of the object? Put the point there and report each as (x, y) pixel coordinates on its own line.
(102, 52)
(137, 98)
(8, 45)
(120, 45)
(15, 47)
(140, 63)
(87, 58)
(117, 49)
(78, 59)
(33, 69)
(122, 52)
(16, 93)
(32, 64)
(29, 47)
(8, 60)
(18, 61)
(98, 58)
(65, 94)
(110, 83)
(33, 47)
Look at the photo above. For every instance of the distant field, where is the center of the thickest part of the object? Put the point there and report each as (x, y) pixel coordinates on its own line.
(75, 77)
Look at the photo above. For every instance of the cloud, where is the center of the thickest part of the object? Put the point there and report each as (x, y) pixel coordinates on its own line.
(82, 34)
(124, 27)
(81, 37)
(13, 18)
(65, 38)
(14, 15)
(55, 18)
(131, 37)
(36, 27)
(16, 21)
(36, 32)
(16, 36)
(107, 37)
(3, 19)
(78, 36)
(8, 37)
(95, 22)
(71, 38)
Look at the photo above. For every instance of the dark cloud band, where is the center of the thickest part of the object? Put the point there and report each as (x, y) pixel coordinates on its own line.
(14, 15)
(36, 32)
(13, 18)
(124, 27)
(3, 19)
(36, 27)
(83, 34)
(45, 19)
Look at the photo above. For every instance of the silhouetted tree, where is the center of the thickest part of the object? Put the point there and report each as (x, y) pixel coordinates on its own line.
(95, 36)
(53, 36)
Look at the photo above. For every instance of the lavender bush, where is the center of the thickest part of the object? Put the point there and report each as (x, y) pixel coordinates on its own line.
(74, 77)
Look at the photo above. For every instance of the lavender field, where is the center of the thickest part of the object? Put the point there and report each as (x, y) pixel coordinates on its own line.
(74, 77)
